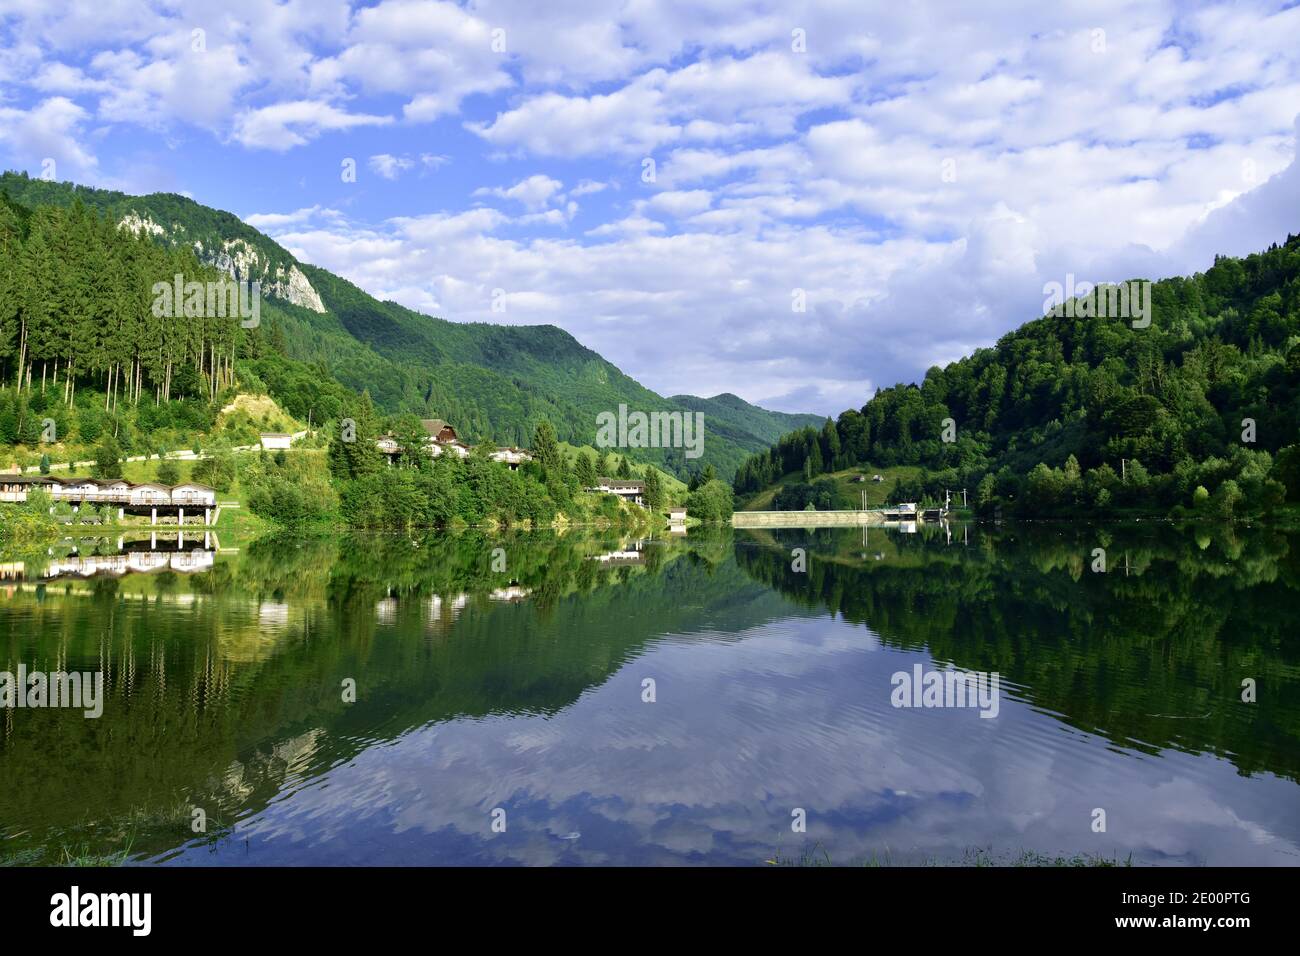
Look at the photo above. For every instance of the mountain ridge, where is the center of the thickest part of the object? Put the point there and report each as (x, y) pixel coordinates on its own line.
(1081, 410)
(494, 381)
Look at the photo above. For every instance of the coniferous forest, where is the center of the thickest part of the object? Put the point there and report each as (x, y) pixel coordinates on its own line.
(81, 345)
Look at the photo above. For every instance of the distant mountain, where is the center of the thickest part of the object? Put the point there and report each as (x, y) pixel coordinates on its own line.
(493, 382)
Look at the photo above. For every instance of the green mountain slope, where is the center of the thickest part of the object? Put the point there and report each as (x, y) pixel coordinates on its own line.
(493, 382)
(1067, 414)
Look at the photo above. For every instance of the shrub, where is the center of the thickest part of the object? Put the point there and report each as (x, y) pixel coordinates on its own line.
(712, 502)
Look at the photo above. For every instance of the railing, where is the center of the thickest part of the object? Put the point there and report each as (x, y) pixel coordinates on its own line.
(148, 499)
(64, 494)
(193, 500)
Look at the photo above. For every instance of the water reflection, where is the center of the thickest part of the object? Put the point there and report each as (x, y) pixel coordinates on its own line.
(522, 686)
(80, 558)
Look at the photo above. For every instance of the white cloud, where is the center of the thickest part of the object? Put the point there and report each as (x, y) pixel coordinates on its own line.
(890, 170)
(714, 99)
(682, 202)
(285, 125)
(588, 187)
(271, 221)
(51, 130)
(391, 167)
(534, 193)
(434, 53)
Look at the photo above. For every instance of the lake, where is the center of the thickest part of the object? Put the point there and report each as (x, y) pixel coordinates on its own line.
(714, 698)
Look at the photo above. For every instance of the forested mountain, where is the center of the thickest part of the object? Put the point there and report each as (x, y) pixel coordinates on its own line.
(1198, 410)
(495, 383)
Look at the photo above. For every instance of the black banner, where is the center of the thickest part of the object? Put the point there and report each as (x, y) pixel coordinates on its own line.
(138, 904)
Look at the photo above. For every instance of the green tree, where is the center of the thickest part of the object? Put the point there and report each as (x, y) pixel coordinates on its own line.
(108, 458)
(586, 470)
(168, 472)
(546, 449)
(352, 451)
(654, 490)
(712, 502)
(219, 469)
(1286, 466)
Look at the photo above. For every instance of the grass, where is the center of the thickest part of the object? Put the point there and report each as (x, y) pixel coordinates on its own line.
(77, 856)
(674, 487)
(850, 491)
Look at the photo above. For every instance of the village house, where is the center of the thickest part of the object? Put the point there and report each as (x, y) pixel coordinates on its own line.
(626, 488)
(457, 448)
(441, 438)
(272, 441)
(439, 431)
(511, 457)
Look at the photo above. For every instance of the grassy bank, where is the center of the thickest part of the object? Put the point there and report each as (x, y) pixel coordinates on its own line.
(848, 491)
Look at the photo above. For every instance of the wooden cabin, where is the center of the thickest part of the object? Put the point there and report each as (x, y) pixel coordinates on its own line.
(439, 431)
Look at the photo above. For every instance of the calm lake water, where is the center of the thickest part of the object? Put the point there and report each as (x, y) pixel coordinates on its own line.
(518, 697)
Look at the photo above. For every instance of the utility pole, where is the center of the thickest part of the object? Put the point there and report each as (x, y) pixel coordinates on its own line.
(963, 498)
(1123, 469)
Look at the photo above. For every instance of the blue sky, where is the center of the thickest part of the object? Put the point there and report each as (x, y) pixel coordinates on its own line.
(918, 171)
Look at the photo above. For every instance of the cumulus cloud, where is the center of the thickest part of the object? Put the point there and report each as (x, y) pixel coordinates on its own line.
(285, 125)
(274, 221)
(918, 184)
(534, 193)
(434, 53)
(49, 131)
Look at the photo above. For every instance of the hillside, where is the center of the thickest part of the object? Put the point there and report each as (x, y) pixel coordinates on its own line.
(1196, 413)
(494, 382)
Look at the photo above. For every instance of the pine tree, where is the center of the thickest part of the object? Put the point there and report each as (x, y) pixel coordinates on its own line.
(586, 470)
(545, 447)
(352, 451)
(654, 493)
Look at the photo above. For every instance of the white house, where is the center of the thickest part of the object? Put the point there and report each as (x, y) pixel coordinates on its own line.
(150, 494)
(455, 447)
(275, 440)
(511, 457)
(628, 489)
(190, 493)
